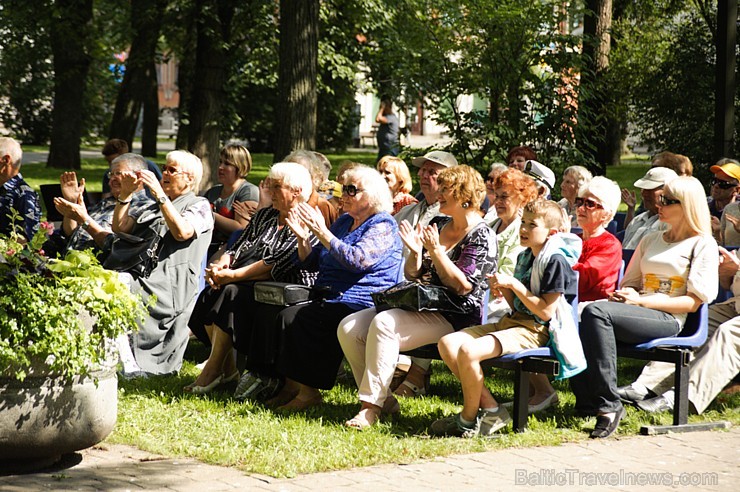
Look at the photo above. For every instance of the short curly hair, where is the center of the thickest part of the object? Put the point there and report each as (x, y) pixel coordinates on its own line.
(524, 187)
(465, 184)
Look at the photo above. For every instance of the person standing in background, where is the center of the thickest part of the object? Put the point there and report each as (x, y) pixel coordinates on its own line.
(388, 131)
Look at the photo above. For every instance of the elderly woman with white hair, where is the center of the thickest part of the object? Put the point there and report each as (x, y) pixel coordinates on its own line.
(159, 344)
(574, 177)
(601, 256)
(226, 315)
(671, 274)
(360, 254)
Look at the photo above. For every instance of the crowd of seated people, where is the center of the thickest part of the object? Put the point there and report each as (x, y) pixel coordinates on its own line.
(352, 247)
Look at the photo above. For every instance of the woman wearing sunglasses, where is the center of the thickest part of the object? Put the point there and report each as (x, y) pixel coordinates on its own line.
(159, 344)
(671, 274)
(456, 251)
(360, 254)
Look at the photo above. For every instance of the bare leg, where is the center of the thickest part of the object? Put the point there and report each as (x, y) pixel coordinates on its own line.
(449, 348)
(471, 374)
(287, 393)
(222, 356)
(542, 388)
(306, 397)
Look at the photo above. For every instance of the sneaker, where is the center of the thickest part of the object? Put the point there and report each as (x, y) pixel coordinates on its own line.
(270, 387)
(248, 383)
(488, 423)
(451, 426)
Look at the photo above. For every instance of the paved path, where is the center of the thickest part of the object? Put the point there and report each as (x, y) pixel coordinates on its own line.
(704, 461)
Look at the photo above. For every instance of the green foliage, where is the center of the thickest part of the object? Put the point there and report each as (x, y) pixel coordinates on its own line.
(508, 53)
(26, 71)
(42, 302)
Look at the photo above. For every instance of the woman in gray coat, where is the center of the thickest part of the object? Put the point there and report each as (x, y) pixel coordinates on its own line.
(159, 344)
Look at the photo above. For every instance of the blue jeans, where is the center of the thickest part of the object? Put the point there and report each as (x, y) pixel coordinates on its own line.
(603, 324)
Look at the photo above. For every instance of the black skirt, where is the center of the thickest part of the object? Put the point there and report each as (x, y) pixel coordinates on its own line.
(251, 324)
(310, 352)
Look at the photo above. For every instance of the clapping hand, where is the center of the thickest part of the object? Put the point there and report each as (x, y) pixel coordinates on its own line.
(296, 225)
(430, 238)
(728, 262)
(150, 181)
(73, 210)
(735, 221)
(130, 181)
(311, 217)
(242, 209)
(411, 236)
(629, 198)
(72, 190)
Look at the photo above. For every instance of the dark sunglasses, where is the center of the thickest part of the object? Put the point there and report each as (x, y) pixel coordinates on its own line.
(589, 203)
(171, 170)
(665, 201)
(351, 190)
(724, 185)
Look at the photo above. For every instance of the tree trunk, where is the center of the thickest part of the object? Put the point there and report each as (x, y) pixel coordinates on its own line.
(297, 103)
(599, 130)
(213, 26)
(151, 114)
(73, 19)
(146, 17)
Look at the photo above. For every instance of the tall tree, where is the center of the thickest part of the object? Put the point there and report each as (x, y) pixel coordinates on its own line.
(211, 68)
(70, 29)
(297, 89)
(146, 16)
(599, 129)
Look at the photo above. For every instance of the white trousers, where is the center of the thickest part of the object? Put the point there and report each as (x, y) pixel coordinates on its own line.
(371, 342)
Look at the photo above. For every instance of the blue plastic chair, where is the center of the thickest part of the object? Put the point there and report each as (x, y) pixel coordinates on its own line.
(676, 350)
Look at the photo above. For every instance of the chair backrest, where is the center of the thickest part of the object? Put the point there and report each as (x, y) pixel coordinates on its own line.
(627, 257)
(619, 218)
(48, 193)
(611, 227)
(621, 274)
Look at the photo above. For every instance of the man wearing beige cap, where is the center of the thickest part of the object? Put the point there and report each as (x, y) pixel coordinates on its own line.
(651, 188)
(430, 165)
(723, 205)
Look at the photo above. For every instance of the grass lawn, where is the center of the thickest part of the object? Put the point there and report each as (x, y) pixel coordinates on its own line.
(155, 415)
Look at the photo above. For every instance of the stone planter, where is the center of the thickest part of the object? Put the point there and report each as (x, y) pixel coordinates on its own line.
(45, 417)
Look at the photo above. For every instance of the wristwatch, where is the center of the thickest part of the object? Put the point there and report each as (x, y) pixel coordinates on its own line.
(85, 225)
(162, 200)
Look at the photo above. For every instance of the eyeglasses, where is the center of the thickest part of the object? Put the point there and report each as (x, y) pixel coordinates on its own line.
(351, 190)
(172, 170)
(724, 185)
(665, 201)
(588, 203)
(116, 174)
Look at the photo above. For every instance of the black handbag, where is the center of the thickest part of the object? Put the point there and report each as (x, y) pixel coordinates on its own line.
(135, 254)
(415, 296)
(286, 294)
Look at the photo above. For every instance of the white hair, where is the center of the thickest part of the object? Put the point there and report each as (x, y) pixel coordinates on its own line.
(294, 176)
(607, 192)
(189, 163)
(374, 186)
(10, 146)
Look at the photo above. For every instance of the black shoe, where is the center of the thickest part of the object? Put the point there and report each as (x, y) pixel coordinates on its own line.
(630, 395)
(605, 427)
(657, 404)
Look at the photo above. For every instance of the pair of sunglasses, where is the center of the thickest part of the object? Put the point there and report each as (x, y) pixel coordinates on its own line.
(589, 203)
(171, 170)
(665, 201)
(351, 190)
(724, 185)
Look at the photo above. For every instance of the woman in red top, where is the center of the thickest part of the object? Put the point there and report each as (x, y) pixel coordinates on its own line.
(601, 256)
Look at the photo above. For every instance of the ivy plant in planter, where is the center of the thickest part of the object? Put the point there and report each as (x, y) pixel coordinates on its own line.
(56, 370)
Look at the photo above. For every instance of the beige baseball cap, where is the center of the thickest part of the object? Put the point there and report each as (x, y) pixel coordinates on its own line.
(436, 156)
(655, 177)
